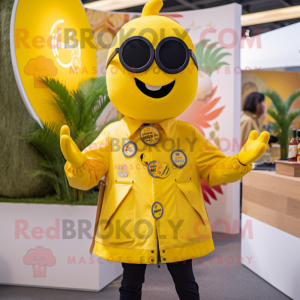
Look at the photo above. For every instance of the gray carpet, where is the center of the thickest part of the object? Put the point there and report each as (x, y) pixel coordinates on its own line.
(216, 282)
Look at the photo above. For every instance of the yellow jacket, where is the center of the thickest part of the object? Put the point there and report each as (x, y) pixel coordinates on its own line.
(128, 231)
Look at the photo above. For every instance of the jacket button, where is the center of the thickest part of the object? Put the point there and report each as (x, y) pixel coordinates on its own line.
(152, 251)
(165, 259)
(163, 251)
(152, 260)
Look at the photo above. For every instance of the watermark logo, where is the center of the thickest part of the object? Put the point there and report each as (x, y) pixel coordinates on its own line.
(39, 258)
(67, 229)
(40, 67)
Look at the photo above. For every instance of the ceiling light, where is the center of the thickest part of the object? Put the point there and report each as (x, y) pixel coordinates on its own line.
(269, 16)
(111, 5)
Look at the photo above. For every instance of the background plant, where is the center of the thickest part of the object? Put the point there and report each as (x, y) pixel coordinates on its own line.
(283, 118)
(79, 109)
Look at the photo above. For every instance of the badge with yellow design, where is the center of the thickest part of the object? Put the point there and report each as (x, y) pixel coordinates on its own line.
(157, 210)
(149, 135)
(129, 149)
(178, 158)
(158, 169)
(144, 158)
(123, 170)
(152, 166)
(162, 170)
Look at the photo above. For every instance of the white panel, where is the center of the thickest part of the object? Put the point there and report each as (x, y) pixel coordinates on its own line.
(275, 49)
(68, 265)
(275, 256)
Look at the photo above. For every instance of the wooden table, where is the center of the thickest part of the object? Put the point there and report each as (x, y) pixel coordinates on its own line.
(273, 199)
(271, 207)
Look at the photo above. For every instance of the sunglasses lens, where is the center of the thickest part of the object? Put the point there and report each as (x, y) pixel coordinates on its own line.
(172, 54)
(136, 53)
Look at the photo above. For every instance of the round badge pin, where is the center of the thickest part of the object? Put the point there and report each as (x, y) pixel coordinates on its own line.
(123, 170)
(149, 135)
(152, 166)
(144, 158)
(129, 149)
(157, 210)
(178, 158)
(162, 170)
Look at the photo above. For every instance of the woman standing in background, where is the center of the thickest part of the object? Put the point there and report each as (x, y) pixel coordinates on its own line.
(252, 118)
(253, 114)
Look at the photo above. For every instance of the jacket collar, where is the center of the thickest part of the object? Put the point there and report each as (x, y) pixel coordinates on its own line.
(131, 125)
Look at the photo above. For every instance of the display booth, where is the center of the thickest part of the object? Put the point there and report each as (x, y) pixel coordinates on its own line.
(61, 233)
(271, 201)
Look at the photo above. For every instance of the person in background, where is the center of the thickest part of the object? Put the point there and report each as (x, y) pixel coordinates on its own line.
(253, 115)
(252, 118)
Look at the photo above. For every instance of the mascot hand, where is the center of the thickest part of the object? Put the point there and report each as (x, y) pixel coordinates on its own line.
(254, 148)
(69, 149)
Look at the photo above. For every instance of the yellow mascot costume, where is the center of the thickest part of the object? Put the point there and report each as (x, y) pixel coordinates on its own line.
(153, 207)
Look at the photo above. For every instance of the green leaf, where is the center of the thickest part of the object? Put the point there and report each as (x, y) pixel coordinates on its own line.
(276, 100)
(221, 64)
(283, 120)
(208, 51)
(209, 57)
(63, 100)
(293, 115)
(273, 114)
(291, 98)
(79, 109)
(215, 53)
(219, 57)
(199, 51)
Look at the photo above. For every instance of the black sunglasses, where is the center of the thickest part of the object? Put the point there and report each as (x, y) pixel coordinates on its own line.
(137, 54)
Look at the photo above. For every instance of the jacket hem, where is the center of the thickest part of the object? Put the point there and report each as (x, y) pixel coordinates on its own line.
(147, 256)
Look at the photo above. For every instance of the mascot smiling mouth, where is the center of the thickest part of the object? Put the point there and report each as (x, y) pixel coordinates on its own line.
(154, 91)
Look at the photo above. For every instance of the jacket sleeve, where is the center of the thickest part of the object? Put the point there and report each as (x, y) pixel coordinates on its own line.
(214, 166)
(96, 162)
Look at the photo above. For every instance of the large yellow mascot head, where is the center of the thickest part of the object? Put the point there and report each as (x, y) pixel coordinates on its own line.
(151, 67)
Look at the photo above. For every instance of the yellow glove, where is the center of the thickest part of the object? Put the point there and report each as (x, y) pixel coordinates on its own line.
(254, 148)
(69, 149)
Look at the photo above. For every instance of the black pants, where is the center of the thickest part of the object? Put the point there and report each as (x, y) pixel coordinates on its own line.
(182, 273)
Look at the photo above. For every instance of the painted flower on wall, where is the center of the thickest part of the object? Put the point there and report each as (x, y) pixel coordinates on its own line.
(202, 112)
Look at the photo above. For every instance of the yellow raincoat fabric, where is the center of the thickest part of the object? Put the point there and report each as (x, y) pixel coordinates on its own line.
(127, 230)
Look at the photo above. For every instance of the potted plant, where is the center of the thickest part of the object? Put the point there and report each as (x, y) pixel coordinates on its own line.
(79, 109)
(283, 116)
(43, 243)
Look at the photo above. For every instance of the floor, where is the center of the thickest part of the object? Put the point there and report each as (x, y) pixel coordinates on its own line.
(219, 275)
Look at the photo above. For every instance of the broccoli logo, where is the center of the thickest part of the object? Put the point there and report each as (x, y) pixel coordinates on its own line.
(40, 67)
(39, 258)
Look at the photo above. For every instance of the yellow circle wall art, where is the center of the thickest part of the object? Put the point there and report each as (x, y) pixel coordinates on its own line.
(50, 39)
